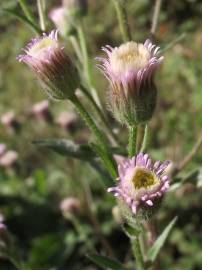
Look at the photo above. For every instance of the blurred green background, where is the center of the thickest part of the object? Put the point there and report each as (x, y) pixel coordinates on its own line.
(42, 237)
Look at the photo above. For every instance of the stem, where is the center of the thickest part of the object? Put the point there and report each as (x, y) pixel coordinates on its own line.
(123, 21)
(76, 47)
(112, 136)
(155, 16)
(137, 253)
(41, 8)
(107, 157)
(86, 63)
(26, 10)
(190, 155)
(132, 141)
(173, 42)
(89, 121)
(145, 137)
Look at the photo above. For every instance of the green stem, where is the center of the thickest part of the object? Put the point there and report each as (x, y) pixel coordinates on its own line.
(41, 8)
(137, 253)
(86, 63)
(76, 47)
(132, 141)
(26, 10)
(107, 157)
(123, 21)
(144, 140)
(112, 136)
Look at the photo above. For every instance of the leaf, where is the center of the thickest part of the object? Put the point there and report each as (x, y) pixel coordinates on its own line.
(23, 19)
(68, 148)
(71, 149)
(106, 263)
(83, 152)
(154, 250)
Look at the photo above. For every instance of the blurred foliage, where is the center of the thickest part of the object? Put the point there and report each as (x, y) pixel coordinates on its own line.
(31, 193)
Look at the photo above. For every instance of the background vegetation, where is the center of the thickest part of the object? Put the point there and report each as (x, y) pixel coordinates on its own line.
(41, 237)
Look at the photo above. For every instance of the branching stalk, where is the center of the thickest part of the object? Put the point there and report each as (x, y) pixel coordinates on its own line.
(123, 20)
(101, 139)
(100, 113)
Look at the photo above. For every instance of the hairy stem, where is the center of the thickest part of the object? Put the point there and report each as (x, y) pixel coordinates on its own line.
(101, 139)
(86, 63)
(137, 253)
(132, 141)
(102, 117)
(76, 47)
(122, 19)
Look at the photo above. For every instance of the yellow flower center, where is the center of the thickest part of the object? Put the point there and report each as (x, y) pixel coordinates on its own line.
(129, 56)
(40, 49)
(143, 178)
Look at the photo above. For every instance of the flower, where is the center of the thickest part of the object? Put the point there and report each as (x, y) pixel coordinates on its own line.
(130, 69)
(53, 67)
(62, 20)
(67, 120)
(41, 110)
(70, 205)
(141, 182)
(9, 159)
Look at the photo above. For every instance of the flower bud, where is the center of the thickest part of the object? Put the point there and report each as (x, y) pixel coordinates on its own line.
(130, 70)
(62, 21)
(10, 121)
(70, 206)
(141, 186)
(41, 111)
(67, 120)
(9, 159)
(53, 67)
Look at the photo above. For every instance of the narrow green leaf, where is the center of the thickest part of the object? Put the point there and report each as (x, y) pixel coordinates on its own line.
(71, 149)
(25, 7)
(106, 263)
(23, 19)
(154, 250)
(68, 148)
(79, 151)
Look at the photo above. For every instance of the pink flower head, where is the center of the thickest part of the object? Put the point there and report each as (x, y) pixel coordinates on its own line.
(9, 159)
(67, 119)
(62, 20)
(141, 182)
(130, 70)
(52, 66)
(70, 205)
